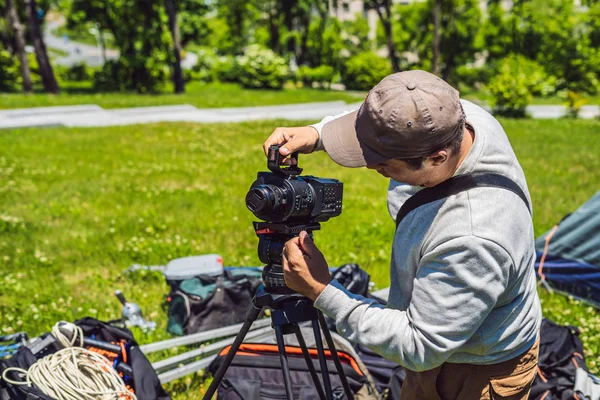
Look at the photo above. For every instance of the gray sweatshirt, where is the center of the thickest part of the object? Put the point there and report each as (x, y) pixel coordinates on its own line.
(462, 281)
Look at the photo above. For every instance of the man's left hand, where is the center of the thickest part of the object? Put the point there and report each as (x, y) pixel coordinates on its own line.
(304, 267)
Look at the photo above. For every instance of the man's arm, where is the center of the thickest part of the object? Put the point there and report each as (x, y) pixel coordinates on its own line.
(304, 139)
(319, 127)
(457, 285)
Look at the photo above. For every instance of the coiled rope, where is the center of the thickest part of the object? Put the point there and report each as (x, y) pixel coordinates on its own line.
(73, 373)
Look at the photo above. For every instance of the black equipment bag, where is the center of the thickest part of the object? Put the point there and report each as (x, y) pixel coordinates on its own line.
(255, 373)
(561, 353)
(145, 381)
(208, 302)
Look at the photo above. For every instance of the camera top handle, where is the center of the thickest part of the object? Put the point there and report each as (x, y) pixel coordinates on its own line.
(274, 163)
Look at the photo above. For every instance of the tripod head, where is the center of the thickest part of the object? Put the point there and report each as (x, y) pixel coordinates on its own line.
(271, 240)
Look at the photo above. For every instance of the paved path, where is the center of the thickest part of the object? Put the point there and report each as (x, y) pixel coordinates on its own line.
(93, 115)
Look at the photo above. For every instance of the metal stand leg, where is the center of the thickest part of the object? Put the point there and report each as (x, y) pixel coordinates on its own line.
(309, 363)
(252, 314)
(287, 379)
(322, 360)
(334, 355)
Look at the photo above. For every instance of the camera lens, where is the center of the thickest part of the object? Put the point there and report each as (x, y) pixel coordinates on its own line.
(282, 201)
(264, 198)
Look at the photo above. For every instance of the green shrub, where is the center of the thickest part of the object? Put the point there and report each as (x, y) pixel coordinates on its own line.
(516, 79)
(262, 68)
(109, 78)
(226, 69)
(473, 77)
(76, 73)
(322, 75)
(574, 102)
(203, 70)
(131, 74)
(10, 75)
(540, 83)
(364, 71)
(510, 89)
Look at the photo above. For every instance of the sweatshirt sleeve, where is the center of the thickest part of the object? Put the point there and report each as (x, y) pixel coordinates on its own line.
(319, 126)
(457, 285)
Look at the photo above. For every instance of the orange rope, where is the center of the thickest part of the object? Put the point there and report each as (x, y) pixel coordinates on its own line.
(541, 375)
(546, 243)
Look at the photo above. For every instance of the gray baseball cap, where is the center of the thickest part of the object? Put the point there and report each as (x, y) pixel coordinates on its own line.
(407, 115)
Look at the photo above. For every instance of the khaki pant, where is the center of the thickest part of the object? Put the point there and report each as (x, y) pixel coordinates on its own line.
(511, 379)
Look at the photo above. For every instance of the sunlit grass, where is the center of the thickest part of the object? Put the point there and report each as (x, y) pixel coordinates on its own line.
(78, 206)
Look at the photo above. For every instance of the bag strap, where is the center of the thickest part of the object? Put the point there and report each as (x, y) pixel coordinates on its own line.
(456, 185)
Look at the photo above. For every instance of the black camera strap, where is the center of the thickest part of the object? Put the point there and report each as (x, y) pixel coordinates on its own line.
(456, 185)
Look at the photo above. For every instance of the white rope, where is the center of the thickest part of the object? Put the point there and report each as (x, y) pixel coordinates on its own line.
(73, 373)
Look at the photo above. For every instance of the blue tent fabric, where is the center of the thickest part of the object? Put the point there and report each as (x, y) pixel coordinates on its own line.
(572, 262)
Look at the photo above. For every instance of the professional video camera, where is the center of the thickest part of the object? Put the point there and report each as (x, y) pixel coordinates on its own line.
(289, 203)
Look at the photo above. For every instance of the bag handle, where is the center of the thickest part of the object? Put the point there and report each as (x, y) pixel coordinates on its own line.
(456, 185)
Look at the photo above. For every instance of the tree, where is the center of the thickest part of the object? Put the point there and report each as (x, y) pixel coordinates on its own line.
(497, 32)
(179, 86)
(383, 9)
(145, 45)
(48, 79)
(270, 8)
(237, 15)
(437, 9)
(461, 39)
(356, 36)
(14, 22)
(558, 37)
(325, 45)
(459, 33)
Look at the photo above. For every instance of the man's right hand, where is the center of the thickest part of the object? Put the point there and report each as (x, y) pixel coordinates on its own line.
(303, 139)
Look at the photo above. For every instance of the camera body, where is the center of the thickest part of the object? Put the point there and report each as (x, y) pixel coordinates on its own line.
(288, 203)
(294, 199)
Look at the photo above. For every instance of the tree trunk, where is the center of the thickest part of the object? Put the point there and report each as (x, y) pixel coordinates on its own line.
(386, 21)
(448, 69)
(48, 79)
(437, 9)
(288, 20)
(12, 18)
(274, 30)
(305, 21)
(174, 28)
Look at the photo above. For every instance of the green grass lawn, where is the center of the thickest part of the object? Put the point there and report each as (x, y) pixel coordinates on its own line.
(78, 206)
(197, 94)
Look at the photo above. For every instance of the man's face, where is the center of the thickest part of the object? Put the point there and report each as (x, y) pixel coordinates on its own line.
(400, 171)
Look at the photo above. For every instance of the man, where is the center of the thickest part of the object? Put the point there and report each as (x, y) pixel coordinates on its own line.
(463, 315)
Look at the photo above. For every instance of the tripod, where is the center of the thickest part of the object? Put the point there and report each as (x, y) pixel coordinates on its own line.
(288, 310)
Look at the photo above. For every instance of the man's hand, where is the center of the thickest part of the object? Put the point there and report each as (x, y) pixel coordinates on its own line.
(303, 139)
(304, 267)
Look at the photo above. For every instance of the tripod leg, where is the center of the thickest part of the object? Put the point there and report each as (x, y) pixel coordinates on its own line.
(322, 360)
(287, 379)
(309, 363)
(251, 316)
(334, 354)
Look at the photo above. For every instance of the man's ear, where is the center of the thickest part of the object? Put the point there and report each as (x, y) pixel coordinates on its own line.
(438, 158)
